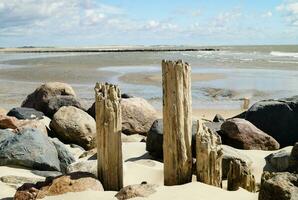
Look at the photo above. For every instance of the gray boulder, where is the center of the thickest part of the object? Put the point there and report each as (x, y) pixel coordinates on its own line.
(277, 118)
(25, 113)
(65, 156)
(279, 160)
(56, 102)
(73, 125)
(29, 148)
(138, 190)
(83, 166)
(279, 186)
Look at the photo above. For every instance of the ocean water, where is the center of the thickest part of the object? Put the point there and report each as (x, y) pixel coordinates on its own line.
(254, 72)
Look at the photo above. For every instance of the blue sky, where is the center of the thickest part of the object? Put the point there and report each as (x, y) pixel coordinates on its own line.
(147, 22)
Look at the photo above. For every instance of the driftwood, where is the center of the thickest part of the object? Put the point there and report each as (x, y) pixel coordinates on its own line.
(176, 83)
(108, 127)
(239, 175)
(209, 156)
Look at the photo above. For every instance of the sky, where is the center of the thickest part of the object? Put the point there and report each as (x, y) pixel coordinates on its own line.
(147, 22)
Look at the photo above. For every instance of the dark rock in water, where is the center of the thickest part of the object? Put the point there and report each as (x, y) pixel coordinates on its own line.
(25, 113)
(279, 160)
(139, 190)
(242, 134)
(73, 125)
(74, 182)
(218, 118)
(65, 156)
(277, 118)
(39, 99)
(29, 148)
(55, 103)
(279, 186)
(293, 162)
(154, 142)
(126, 96)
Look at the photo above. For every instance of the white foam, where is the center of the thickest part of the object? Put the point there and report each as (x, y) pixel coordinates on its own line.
(284, 54)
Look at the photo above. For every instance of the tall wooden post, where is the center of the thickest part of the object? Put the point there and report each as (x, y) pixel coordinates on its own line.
(209, 156)
(177, 121)
(108, 127)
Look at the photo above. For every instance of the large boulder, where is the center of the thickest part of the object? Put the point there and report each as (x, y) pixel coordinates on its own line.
(83, 166)
(39, 99)
(231, 154)
(154, 141)
(56, 102)
(280, 160)
(279, 186)
(35, 124)
(137, 116)
(72, 125)
(25, 113)
(277, 118)
(242, 134)
(65, 156)
(138, 190)
(29, 148)
(74, 182)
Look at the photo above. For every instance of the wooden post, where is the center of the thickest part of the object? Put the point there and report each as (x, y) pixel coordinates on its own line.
(239, 175)
(177, 121)
(209, 156)
(108, 127)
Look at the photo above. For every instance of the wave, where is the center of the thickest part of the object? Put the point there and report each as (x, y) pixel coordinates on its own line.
(284, 54)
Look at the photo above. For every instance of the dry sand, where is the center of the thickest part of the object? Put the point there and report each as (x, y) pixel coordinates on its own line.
(138, 167)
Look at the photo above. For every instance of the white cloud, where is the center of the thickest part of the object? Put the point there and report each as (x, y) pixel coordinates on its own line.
(267, 14)
(290, 10)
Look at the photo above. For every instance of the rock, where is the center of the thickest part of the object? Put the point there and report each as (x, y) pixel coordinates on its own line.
(74, 182)
(278, 118)
(25, 113)
(132, 138)
(218, 118)
(126, 96)
(137, 116)
(33, 124)
(280, 160)
(29, 148)
(3, 111)
(39, 99)
(279, 186)
(231, 154)
(154, 141)
(9, 122)
(56, 102)
(242, 134)
(83, 166)
(139, 190)
(89, 154)
(17, 181)
(65, 156)
(72, 125)
(293, 162)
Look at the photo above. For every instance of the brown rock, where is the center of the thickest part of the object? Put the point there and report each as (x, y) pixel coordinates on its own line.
(9, 122)
(74, 182)
(137, 116)
(139, 190)
(40, 97)
(35, 124)
(242, 134)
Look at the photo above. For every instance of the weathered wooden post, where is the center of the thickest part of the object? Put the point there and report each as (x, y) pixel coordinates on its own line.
(176, 83)
(108, 127)
(209, 156)
(239, 175)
